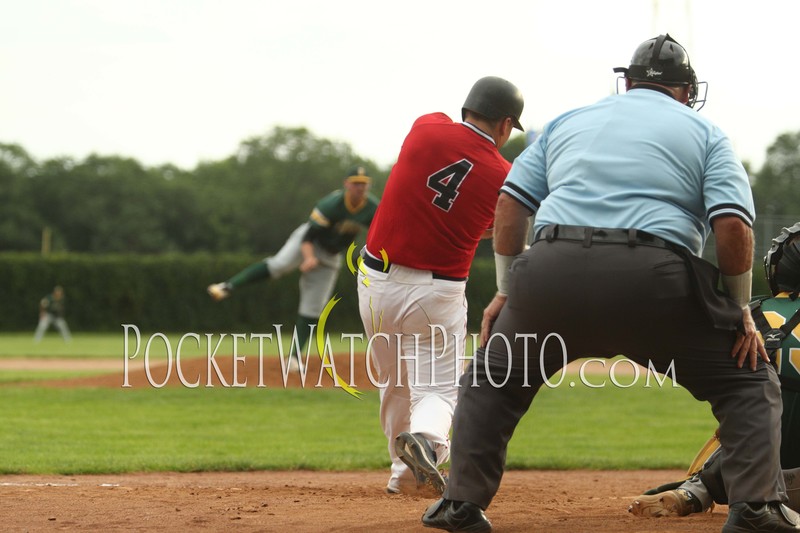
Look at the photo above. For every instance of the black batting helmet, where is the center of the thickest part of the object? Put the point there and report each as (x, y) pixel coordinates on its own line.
(495, 98)
(782, 262)
(664, 61)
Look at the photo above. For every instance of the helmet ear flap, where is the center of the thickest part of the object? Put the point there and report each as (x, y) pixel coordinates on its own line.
(782, 262)
(693, 90)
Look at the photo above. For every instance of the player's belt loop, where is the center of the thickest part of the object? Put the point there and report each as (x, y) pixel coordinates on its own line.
(588, 232)
(550, 232)
(632, 237)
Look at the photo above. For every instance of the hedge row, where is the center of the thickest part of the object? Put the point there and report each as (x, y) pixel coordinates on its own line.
(168, 293)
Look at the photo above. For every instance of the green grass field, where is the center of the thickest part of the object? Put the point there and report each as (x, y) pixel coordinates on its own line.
(84, 345)
(94, 430)
(113, 345)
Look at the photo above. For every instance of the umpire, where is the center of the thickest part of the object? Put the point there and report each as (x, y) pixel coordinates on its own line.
(625, 192)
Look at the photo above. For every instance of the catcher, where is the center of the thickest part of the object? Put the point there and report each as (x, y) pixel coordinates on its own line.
(778, 321)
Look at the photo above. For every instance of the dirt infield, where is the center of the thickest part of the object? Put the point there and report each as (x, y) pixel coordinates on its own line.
(222, 371)
(546, 501)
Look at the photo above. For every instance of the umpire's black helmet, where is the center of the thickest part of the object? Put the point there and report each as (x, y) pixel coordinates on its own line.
(495, 98)
(782, 262)
(664, 61)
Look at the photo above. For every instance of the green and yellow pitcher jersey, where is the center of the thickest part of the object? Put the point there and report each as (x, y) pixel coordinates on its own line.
(778, 311)
(340, 223)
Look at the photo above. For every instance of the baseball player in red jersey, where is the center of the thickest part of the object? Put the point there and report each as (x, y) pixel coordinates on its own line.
(438, 203)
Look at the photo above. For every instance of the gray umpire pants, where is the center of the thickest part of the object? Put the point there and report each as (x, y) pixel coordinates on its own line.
(605, 300)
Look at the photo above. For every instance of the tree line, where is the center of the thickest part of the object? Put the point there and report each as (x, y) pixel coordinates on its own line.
(247, 202)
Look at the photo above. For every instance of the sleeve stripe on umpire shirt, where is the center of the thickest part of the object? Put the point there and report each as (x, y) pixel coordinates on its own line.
(521, 196)
(730, 209)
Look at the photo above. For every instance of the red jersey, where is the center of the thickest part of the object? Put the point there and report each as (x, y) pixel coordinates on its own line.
(440, 197)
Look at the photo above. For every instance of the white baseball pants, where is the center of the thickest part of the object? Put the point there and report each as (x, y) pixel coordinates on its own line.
(416, 326)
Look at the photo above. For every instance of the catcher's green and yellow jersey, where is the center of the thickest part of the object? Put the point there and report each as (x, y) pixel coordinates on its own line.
(340, 223)
(777, 311)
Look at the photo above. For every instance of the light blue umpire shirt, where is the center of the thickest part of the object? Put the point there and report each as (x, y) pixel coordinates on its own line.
(636, 160)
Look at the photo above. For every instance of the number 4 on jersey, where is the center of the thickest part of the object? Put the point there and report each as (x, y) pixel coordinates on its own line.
(446, 183)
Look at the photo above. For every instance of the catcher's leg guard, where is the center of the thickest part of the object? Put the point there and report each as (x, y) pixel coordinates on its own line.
(677, 498)
(705, 453)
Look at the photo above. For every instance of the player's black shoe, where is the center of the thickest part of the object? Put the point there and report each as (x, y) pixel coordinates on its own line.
(745, 518)
(456, 516)
(416, 452)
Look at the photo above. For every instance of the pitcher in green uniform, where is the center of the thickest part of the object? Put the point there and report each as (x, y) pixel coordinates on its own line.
(315, 248)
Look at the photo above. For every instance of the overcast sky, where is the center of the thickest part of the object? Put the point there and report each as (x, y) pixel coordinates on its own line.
(182, 81)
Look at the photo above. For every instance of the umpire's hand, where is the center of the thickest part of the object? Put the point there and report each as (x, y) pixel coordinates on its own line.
(748, 344)
(490, 314)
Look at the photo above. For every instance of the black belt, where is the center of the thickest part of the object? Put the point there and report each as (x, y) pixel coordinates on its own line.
(587, 235)
(377, 264)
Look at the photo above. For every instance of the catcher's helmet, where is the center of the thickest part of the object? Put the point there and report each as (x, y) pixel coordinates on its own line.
(664, 61)
(495, 98)
(782, 262)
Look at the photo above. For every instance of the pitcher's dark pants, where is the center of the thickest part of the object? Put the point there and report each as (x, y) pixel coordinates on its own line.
(605, 300)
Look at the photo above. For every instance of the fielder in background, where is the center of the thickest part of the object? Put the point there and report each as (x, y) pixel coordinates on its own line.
(51, 312)
(624, 192)
(438, 203)
(315, 248)
(778, 321)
